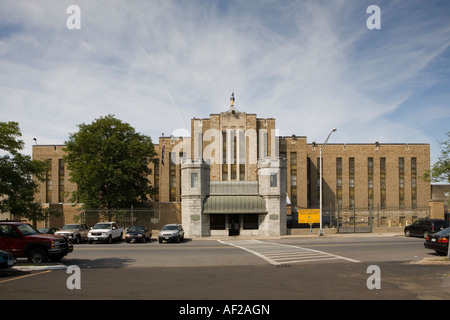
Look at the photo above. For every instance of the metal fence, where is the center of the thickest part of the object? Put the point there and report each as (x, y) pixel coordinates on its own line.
(154, 216)
(361, 220)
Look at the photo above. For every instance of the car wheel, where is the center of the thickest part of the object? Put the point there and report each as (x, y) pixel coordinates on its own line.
(160, 240)
(110, 239)
(37, 256)
(90, 241)
(407, 233)
(78, 240)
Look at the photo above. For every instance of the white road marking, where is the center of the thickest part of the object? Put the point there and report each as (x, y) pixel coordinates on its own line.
(277, 253)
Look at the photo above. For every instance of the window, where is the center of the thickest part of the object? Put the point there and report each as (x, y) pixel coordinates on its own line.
(263, 143)
(234, 141)
(241, 135)
(61, 180)
(156, 175)
(401, 179)
(339, 182)
(273, 179)
(217, 222)
(250, 221)
(194, 180)
(293, 175)
(224, 156)
(172, 178)
(48, 182)
(383, 182)
(308, 181)
(414, 183)
(351, 179)
(370, 181)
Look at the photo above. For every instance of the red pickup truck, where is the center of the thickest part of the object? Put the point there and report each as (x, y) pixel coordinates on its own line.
(24, 241)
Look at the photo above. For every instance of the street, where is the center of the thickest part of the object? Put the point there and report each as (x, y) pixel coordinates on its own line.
(329, 268)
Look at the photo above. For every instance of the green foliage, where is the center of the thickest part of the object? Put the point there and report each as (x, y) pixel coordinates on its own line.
(17, 186)
(440, 171)
(109, 161)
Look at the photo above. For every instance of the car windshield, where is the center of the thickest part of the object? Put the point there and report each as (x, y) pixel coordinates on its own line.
(102, 226)
(27, 229)
(70, 227)
(169, 227)
(136, 228)
(445, 232)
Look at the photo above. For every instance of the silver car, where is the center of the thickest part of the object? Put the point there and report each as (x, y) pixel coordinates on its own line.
(171, 232)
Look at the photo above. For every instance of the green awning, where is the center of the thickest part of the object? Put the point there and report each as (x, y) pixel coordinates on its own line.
(233, 204)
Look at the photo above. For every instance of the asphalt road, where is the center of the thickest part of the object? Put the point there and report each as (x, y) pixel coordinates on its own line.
(290, 269)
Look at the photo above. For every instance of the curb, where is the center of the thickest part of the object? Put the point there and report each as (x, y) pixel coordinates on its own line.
(442, 261)
(39, 268)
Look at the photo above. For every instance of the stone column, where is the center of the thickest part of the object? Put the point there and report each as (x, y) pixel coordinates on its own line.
(272, 187)
(194, 189)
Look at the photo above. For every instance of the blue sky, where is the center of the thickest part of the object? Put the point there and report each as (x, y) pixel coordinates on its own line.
(312, 65)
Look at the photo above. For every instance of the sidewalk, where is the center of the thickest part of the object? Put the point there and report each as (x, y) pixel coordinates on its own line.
(304, 235)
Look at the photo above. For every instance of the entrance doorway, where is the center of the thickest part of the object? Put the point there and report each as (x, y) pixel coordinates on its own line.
(234, 224)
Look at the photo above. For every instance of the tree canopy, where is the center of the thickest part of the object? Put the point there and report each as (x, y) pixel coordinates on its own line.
(19, 176)
(440, 171)
(109, 162)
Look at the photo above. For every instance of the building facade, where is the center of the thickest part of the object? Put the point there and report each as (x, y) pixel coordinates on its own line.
(235, 176)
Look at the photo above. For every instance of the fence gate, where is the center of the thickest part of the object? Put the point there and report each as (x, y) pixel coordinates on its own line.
(354, 222)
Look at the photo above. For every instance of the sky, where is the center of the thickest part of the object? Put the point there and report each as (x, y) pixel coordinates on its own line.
(156, 64)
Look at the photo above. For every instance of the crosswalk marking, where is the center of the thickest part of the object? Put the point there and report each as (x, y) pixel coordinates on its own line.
(278, 254)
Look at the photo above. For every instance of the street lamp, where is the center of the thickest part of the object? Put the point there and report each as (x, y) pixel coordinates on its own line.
(320, 164)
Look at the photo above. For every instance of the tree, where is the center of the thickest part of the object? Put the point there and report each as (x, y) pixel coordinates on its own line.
(109, 162)
(440, 171)
(19, 175)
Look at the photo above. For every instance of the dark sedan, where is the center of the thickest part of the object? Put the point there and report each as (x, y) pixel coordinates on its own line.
(438, 241)
(138, 234)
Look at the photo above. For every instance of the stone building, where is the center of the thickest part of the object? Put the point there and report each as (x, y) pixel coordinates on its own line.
(235, 175)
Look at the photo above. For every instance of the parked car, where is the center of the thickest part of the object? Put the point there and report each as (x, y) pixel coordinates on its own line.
(438, 241)
(75, 232)
(48, 230)
(138, 234)
(7, 260)
(23, 240)
(171, 232)
(422, 227)
(105, 231)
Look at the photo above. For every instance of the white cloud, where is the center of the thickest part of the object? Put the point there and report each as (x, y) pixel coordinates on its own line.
(312, 65)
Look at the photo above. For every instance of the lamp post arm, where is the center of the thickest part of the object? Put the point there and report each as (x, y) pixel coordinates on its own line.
(320, 182)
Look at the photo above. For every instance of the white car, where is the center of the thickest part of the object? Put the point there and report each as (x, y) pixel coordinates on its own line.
(171, 232)
(105, 231)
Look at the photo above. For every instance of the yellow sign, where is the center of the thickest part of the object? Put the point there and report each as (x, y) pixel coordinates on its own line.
(309, 216)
